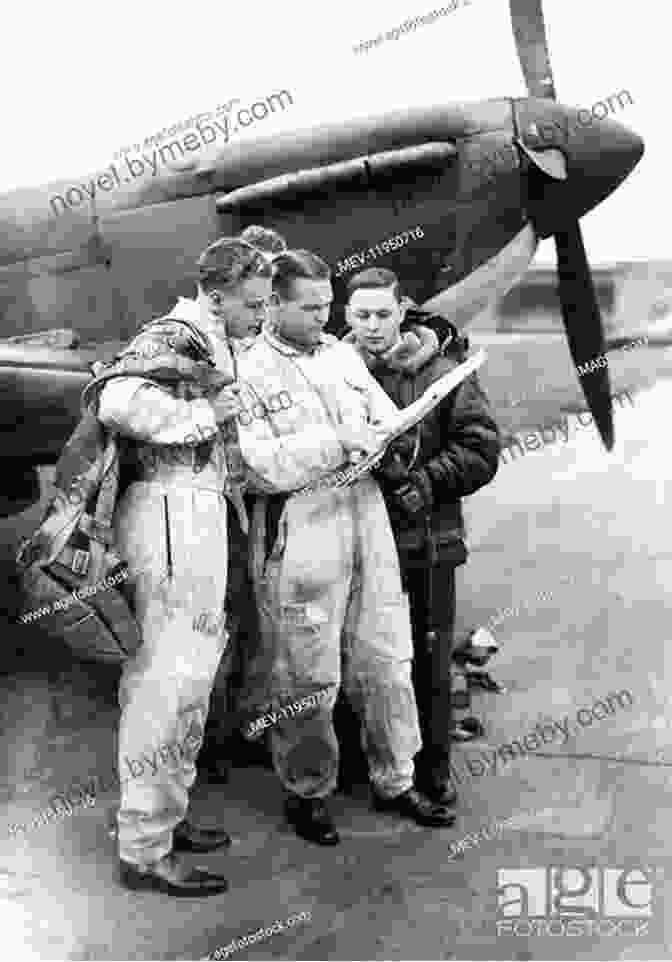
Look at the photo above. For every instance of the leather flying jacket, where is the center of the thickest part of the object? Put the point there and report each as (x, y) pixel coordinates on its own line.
(168, 352)
(174, 354)
(457, 444)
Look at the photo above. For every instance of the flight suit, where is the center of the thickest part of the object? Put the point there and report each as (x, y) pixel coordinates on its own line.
(171, 527)
(327, 580)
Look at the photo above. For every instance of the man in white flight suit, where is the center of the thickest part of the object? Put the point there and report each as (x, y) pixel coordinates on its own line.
(171, 527)
(325, 563)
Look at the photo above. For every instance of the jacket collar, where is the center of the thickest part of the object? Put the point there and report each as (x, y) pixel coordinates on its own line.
(293, 350)
(416, 347)
(223, 352)
(186, 309)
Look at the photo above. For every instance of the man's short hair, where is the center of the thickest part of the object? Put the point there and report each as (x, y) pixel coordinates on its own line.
(265, 239)
(228, 262)
(294, 265)
(375, 277)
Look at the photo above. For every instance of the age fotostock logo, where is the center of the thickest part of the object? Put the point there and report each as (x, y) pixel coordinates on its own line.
(574, 901)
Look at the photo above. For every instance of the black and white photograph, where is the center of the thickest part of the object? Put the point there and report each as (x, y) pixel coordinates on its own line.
(335, 363)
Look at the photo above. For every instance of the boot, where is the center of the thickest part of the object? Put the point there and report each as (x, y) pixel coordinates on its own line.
(191, 838)
(440, 789)
(311, 820)
(171, 877)
(416, 806)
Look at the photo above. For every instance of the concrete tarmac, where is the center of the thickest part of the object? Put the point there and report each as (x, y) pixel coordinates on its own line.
(571, 565)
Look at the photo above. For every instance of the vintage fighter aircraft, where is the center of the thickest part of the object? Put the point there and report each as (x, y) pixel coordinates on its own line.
(452, 197)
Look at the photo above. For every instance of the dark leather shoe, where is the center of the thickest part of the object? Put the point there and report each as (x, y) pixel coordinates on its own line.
(441, 790)
(172, 878)
(413, 804)
(311, 820)
(191, 838)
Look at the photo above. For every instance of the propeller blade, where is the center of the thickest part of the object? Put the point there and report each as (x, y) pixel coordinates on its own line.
(529, 31)
(583, 324)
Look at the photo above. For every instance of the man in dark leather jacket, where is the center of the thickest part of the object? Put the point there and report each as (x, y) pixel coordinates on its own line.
(452, 453)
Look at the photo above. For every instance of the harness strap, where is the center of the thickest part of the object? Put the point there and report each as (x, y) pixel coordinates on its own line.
(107, 496)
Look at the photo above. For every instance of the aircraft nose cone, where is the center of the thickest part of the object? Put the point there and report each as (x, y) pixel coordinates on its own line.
(599, 152)
(601, 155)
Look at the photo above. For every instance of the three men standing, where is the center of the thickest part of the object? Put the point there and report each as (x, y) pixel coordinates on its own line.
(326, 572)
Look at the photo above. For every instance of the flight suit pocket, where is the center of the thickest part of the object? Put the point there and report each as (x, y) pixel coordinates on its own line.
(303, 616)
(143, 533)
(312, 657)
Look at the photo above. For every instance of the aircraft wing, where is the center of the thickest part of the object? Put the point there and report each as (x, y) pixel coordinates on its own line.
(39, 408)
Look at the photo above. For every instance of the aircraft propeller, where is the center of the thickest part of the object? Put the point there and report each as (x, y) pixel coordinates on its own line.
(580, 310)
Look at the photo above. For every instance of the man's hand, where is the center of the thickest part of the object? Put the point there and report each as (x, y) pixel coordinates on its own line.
(405, 445)
(226, 404)
(361, 439)
(394, 468)
(414, 496)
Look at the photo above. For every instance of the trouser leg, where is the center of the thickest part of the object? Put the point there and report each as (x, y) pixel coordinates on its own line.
(302, 595)
(257, 617)
(305, 750)
(353, 765)
(433, 661)
(381, 692)
(242, 629)
(176, 542)
(378, 648)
